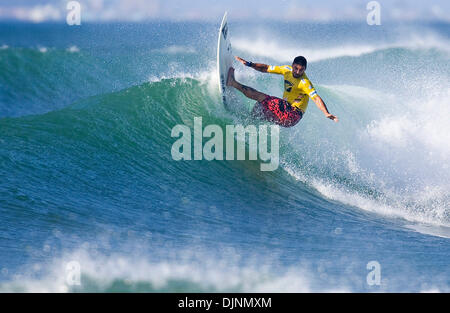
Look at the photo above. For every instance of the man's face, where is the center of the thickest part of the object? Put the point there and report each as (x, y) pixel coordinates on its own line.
(297, 70)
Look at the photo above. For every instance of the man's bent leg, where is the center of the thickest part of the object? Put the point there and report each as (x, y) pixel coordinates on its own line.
(249, 92)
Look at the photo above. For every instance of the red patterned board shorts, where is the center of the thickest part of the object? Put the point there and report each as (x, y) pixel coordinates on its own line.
(277, 111)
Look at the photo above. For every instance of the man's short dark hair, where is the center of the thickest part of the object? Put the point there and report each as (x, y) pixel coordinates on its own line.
(300, 60)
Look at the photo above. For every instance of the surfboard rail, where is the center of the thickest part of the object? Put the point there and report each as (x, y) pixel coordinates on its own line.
(224, 57)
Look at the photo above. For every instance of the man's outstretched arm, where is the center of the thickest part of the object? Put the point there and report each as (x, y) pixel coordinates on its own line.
(257, 66)
(321, 105)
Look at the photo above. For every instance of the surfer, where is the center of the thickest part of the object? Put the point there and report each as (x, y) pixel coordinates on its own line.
(297, 90)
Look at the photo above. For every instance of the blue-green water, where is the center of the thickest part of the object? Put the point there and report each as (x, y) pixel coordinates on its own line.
(87, 176)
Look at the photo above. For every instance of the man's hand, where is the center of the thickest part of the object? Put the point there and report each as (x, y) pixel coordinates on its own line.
(256, 66)
(241, 60)
(332, 117)
(322, 106)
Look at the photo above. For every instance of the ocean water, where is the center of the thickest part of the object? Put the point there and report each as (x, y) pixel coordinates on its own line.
(91, 199)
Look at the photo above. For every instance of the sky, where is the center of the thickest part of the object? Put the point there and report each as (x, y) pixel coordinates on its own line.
(212, 10)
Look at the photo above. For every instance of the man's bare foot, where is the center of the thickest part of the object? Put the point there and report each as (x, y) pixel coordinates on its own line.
(230, 78)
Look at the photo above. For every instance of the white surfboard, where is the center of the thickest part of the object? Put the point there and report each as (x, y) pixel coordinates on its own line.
(224, 60)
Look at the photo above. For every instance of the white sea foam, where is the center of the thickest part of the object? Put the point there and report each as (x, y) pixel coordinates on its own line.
(176, 49)
(73, 49)
(280, 52)
(196, 271)
(397, 147)
(209, 274)
(423, 125)
(207, 77)
(285, 52)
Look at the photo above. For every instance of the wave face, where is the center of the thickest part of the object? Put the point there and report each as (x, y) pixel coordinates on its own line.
(88, 176)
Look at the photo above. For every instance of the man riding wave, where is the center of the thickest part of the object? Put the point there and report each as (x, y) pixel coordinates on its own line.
(298, 89)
